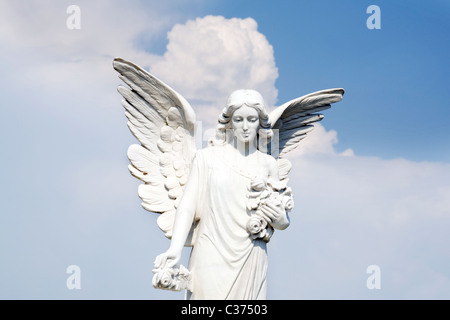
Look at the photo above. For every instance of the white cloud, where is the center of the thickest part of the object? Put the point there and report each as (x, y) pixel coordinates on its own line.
(208, 58)
(351, 211)
(354, 211)
(320, 141)
(38, 28)
(74, 67)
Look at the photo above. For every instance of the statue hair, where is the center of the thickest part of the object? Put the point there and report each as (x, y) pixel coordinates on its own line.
(238, 99)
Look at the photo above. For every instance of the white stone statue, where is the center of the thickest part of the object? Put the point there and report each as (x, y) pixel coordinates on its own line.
(224, 200)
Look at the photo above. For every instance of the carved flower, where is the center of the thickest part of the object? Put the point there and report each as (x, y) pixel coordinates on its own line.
(277, 185)
(255, 225)
(288, 200)
(252, 204)
(288, 203)
(166, 280)
(172, 278)
(258, 184)
(260, 193)
(276, 198)
(163, 278)
(184, 273)
(265, 194)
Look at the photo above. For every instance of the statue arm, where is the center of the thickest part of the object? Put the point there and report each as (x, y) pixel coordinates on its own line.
(183, 221)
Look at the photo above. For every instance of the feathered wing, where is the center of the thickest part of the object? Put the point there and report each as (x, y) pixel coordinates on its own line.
(163, 122)
(293, 120)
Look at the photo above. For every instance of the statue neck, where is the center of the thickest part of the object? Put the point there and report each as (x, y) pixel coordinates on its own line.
(244, 148)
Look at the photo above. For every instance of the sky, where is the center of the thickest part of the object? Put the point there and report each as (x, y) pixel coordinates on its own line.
(371, 182)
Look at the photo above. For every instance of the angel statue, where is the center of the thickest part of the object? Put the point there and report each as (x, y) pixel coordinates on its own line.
(224, 200)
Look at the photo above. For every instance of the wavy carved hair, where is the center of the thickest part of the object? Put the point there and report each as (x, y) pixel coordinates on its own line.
(237, 99)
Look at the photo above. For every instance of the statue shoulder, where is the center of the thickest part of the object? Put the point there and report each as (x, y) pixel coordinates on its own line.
(270, 161)
(206, 153)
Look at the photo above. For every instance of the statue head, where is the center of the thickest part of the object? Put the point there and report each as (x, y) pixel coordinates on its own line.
(238, 99)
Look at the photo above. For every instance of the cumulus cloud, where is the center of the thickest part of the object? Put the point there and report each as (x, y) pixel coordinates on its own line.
(208, 58)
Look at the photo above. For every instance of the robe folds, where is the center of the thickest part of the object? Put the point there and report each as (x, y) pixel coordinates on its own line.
(225, 262)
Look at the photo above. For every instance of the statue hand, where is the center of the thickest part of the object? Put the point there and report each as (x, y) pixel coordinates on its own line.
(275, 214)
(168, 259)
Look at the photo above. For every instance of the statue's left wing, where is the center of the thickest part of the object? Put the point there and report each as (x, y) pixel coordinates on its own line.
(163, 122)
(293, 120)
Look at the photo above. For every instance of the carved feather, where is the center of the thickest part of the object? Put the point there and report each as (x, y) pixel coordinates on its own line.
(154, 198)
(284, 167)
(153, 90)
(293, 120)
(141, 157)
(143, 165)
(165, 222)
(163, 122)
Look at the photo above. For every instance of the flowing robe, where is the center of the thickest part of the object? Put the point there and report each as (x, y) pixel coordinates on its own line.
(225, 262)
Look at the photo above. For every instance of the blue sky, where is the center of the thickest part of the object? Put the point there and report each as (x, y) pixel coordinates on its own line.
(395, 78)
(370, 184)
(401, 109)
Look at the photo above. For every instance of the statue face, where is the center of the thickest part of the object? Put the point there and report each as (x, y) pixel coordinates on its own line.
(245, 123)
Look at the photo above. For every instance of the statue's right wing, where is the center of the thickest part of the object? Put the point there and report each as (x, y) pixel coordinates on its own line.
(163, 122)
